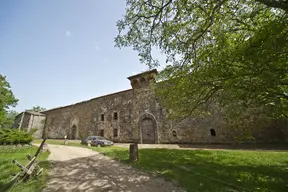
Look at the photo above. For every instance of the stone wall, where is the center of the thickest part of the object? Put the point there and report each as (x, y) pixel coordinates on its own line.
(28, 120)
(124, 117)
(93, 117)
(37, 122)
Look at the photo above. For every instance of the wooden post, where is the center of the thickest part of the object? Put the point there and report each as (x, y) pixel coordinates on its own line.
(134, 152)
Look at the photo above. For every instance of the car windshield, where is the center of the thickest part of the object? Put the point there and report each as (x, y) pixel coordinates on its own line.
(100, 138)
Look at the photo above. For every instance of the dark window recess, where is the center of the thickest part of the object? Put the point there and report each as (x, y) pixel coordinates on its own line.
(102, 132)
(174, 133)
(115, 132)
(115, 115)
(102, 117)
(212, 132)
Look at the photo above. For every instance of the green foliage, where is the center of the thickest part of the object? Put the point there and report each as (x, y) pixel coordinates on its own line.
(232, 54)
(7, 100)
(15, 136)
(9, 118)
(212, 170)
(37, 109)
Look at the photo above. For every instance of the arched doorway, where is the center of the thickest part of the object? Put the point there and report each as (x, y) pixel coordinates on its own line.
(74, 132)
(148, 131)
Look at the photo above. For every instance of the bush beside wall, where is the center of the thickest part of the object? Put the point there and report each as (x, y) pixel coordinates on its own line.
(14, 136)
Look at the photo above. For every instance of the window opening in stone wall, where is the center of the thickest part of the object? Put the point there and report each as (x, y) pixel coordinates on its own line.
(115, 132)
(174, 133)
(102, 117)
(213, 132)
(115, 115)
(102, 132)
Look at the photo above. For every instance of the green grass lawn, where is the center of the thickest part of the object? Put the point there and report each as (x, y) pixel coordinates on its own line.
(215, 171)
(7, 168)
(210, 170)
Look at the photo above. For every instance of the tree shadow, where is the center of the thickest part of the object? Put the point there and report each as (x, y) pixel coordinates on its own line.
(100, 173)
(246, 146)
(202, 170)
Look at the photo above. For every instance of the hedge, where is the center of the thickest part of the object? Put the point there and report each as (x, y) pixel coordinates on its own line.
(10, 136)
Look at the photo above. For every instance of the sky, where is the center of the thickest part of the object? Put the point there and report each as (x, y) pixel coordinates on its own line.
(56, 53)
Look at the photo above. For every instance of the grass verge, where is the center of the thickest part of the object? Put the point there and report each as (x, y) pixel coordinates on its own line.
(7, 168)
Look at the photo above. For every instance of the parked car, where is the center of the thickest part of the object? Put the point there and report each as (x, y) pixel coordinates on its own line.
(97, 141)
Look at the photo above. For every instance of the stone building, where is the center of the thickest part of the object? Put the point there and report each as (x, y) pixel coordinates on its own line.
(28, 120)
(134, 115)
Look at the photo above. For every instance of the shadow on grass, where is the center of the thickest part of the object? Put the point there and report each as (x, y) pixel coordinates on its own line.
(247, 146)
(201, 170)
(34, 183)
(7, 186)
(219, 170)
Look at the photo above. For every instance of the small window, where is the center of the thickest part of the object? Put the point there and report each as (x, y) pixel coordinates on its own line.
(213, 132)
(174, 133)
(102, 117)
(115, 115)
(102, 132)
(115, 132)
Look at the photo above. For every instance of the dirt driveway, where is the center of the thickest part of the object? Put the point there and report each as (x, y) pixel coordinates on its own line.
(81, 169)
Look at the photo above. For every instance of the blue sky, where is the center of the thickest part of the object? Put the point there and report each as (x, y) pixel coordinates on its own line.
(55, 53)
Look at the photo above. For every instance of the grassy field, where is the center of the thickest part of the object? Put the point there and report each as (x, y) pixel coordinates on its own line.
(210, 171)
(203, 170)
(7, 168)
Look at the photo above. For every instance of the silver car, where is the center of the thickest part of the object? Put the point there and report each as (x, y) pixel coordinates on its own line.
(97, 141)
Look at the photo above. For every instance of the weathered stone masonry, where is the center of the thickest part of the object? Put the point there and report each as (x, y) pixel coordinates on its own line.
(28, 120)
(135, 115)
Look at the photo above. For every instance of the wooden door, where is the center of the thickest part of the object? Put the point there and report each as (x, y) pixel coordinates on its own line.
(74, 132)
(148, 131)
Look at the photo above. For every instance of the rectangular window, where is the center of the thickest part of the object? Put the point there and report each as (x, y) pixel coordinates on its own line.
(102, 132)
(115, 115)
(115, 132)
(102, 117)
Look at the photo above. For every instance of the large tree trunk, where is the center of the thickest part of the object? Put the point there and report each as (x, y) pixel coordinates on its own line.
(134, 152)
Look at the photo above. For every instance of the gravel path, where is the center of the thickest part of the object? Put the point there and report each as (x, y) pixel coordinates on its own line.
(80, 169)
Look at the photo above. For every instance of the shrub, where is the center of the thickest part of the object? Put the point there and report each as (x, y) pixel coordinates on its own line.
(15, 136)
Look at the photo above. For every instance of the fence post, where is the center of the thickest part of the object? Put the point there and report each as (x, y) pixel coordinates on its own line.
(134, 157)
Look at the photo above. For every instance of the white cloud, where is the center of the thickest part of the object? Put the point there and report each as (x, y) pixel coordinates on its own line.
(68, 33)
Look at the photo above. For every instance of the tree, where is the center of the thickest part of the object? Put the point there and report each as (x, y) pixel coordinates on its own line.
(37, 109)
(7, 100)
(229, 52)
(9, 118)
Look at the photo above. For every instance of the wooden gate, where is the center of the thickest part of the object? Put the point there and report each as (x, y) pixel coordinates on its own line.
(148, 131)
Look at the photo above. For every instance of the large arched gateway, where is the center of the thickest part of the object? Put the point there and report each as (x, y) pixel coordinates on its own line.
(148, 129)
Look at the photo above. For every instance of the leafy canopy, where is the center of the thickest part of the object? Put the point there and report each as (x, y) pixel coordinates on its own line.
(37, 109)
(7, 100)
(232, 50)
